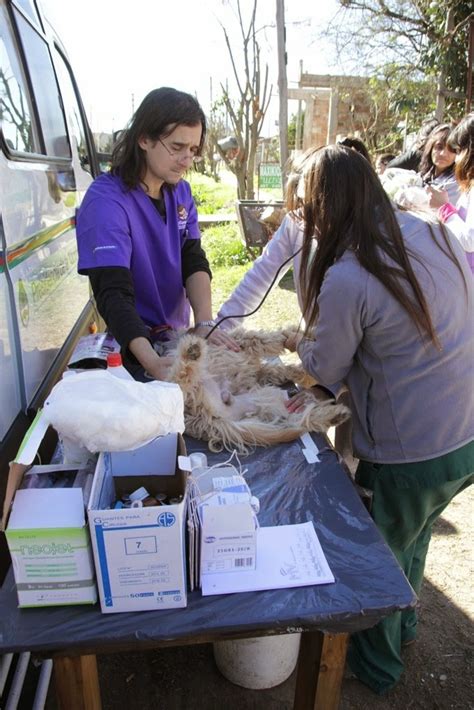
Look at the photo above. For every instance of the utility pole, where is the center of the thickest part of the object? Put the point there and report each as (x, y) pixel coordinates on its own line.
(282, 88)
(299, 122)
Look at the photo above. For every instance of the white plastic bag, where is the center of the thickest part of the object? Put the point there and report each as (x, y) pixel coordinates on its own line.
(412, 198)
(104, 413)
(394, 179)
(405, 188)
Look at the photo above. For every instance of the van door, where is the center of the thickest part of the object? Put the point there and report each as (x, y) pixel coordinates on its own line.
(47, 162)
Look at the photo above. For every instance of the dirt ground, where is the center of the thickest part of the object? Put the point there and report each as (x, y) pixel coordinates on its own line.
(439, 667)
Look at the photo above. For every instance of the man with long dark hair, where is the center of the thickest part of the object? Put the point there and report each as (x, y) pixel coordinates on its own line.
(389, 310)
(138, 235)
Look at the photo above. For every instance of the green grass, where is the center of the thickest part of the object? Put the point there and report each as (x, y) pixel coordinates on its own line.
(211, 197)
(223, 245)
(271, 193)
(229, 259)
(229, 262)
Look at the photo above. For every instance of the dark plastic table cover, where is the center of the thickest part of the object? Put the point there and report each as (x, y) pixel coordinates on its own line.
(369, 583)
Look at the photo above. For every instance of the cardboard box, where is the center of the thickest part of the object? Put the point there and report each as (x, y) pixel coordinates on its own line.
(229, 538)
(47, 535)
(222, 519)
(140, 552)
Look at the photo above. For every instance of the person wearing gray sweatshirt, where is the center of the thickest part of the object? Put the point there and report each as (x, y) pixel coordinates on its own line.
(388, 302)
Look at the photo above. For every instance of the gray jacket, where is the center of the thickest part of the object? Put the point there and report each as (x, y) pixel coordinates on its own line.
(410, 401)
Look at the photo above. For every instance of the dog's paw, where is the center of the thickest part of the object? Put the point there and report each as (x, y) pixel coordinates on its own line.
(191, 348)
(341, 414)
(193, 352)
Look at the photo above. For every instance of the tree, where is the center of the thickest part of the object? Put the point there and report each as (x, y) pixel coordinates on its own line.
(394, 98)
(425, 38)
(248, 112)
(14, 112)
(215, 131)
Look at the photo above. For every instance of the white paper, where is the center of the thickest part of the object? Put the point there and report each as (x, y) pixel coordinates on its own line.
(287, 556)
(35, 508)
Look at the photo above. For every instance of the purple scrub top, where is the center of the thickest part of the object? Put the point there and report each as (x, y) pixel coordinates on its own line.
(121, 227)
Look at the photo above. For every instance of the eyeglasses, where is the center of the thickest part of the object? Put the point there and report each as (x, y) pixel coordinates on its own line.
(181, 154)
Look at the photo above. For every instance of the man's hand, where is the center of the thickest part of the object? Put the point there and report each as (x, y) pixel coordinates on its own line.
(160, 368)
(218, 337)
(155, 366)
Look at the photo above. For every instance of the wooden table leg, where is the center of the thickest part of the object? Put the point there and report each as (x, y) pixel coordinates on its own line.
(309, 659)
(77, 683)
(320, 669)
(331, 671)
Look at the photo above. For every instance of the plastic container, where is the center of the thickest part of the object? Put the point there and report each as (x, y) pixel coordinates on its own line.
(74, 453)
(115, 367)
(258, 663)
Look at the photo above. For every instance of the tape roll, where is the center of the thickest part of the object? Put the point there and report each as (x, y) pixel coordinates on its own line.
(255, 504)
(198, 460)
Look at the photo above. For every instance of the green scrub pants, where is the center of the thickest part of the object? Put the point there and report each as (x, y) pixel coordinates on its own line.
(407, 500)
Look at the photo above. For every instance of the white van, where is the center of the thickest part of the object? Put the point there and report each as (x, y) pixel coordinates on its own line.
(47, 161)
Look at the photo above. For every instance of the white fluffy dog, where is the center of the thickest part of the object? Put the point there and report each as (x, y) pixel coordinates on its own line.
(232, 400)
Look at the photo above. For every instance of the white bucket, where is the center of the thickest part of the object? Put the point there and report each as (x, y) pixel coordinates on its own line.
(258, 663)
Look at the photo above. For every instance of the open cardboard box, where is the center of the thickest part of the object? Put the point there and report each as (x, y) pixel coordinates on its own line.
(46, 534)
(140, 552)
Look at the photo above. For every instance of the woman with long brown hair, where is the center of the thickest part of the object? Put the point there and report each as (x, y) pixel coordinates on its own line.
(388, 303)
(437, 162)
(459, 216)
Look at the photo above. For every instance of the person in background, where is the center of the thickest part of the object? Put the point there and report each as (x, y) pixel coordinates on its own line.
(389, 311)
(287, 241)
(382, 161)
(357, 145)
(410, 159)
(437, 163)
(459, 216)
(138, 236)
(284, 244)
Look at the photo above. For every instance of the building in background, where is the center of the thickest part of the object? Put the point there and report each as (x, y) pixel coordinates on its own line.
(333, 106)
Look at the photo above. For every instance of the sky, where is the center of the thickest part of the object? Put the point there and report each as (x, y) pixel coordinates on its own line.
(120, 51)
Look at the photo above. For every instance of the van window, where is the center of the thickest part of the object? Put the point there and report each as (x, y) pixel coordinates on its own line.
(45, 89)
(28, 6)
(15, 108)
(76, 124)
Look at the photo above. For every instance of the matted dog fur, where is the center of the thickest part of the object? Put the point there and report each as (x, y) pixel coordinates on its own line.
(232, 399)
